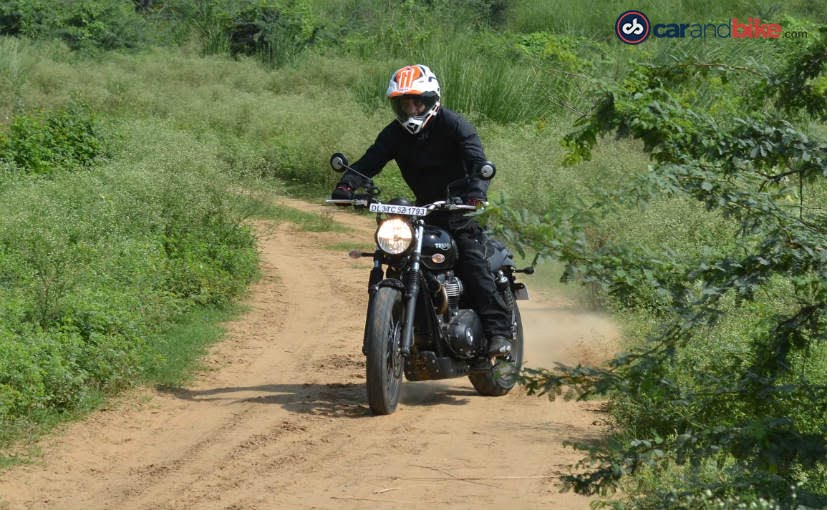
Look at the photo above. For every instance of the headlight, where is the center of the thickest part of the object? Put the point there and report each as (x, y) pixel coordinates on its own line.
(394, 236)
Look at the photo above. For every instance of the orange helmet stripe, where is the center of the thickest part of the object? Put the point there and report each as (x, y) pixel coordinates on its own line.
(407, 75)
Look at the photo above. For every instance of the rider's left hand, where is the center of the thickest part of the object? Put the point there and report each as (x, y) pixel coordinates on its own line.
(342, 192)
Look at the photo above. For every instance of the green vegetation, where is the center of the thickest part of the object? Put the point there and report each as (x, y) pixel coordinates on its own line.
(68, 138)
(723, 392)
(97, 265)
(699, 222)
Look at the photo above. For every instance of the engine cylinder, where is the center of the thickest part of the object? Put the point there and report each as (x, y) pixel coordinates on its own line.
(453, 290)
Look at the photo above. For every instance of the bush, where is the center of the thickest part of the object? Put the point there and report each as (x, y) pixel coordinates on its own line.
(729, 371)
(82, 24)
(44, 142)
(106, 25)
(274, 31)
(96, 266)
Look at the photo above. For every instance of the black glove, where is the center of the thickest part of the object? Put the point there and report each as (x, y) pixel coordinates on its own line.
(342, 192)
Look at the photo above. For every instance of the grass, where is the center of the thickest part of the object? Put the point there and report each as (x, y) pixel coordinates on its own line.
(177, 353)
(174, 361)
(308, 222)
(260, 200)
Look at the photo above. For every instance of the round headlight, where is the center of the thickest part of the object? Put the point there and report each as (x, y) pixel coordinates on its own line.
(394, 236)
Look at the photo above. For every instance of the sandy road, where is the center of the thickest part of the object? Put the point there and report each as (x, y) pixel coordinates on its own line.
(278, 419)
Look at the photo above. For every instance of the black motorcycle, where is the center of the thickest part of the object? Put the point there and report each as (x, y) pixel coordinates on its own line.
(419, 319)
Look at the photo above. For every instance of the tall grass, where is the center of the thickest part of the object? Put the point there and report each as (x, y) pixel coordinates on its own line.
(504, 93)
(15, 64)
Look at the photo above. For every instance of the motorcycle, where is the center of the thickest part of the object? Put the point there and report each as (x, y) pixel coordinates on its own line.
(419, 319)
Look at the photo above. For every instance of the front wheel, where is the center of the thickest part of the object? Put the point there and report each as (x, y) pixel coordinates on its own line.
(501, 375)
(383, 333)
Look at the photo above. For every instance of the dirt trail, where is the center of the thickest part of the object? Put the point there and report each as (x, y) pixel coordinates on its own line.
(279, 419)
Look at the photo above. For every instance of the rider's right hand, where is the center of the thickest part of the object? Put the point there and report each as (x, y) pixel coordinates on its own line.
(342, 192)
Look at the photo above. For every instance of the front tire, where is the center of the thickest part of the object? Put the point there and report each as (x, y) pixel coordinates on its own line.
(383, 333)
(502, 374)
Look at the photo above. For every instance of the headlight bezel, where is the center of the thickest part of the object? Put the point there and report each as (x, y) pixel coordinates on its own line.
(397, 236)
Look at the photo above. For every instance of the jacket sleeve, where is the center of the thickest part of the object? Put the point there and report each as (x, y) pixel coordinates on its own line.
(473, 156)
(374, 159)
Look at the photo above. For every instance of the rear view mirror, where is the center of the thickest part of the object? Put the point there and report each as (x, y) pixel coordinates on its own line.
(338, 162)
(487, 171)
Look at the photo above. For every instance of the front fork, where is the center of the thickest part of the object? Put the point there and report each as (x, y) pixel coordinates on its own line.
(412, 290)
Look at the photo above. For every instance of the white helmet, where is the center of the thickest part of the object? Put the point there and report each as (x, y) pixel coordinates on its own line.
(417, 82)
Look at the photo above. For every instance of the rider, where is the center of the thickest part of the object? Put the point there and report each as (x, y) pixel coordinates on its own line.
(434, 146)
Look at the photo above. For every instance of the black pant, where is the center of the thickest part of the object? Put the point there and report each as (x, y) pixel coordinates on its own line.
(472, 269)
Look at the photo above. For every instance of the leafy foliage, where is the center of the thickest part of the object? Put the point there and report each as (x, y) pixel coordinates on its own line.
(82, 24)
(96, 266)
(760, 416)
(800, 85)
(723, 406)
(68, 138)
(276, 31)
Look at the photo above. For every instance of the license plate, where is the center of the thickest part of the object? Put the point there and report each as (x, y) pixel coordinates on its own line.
(404, 210)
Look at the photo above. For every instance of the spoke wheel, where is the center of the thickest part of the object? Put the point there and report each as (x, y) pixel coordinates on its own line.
(502, 373)
(382, 346)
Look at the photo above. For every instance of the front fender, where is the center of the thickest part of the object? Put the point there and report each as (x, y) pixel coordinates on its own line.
(387, 282)
(392, 283)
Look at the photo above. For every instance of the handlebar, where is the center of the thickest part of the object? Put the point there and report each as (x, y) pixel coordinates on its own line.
(441, 205)
(448, 206)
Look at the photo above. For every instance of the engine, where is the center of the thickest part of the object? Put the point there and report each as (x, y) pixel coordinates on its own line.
(453, 291)
(462, 328)
(464, 334)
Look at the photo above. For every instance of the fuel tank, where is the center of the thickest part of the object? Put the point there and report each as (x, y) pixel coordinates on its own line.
(439, 250)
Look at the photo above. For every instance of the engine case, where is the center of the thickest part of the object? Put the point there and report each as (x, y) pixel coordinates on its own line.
(464, 334)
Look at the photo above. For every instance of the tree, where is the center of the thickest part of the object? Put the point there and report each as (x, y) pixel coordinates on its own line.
(749, 425)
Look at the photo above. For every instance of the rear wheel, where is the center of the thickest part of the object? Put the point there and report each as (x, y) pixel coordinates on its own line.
(502, 373)
(383, 334)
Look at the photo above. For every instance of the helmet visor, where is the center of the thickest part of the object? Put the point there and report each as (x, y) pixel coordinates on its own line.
(411, 105)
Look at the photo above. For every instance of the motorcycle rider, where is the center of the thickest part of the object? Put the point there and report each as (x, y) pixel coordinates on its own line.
(434, 146)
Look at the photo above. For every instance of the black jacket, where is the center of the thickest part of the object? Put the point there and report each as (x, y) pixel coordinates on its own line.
(445, 151)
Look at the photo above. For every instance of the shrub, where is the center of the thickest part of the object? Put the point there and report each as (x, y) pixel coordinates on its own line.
(96, 266)
(274, 31)
(44, 142)
(82, 24)
(731, 371)
(102, 24)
